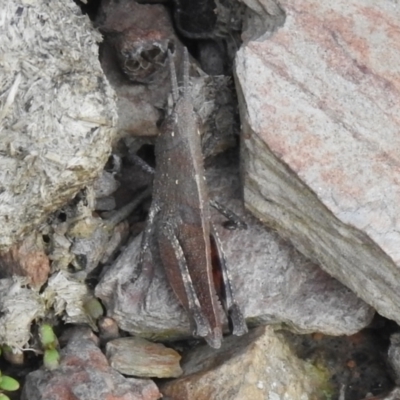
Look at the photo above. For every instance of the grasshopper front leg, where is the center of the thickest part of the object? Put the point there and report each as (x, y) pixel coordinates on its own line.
(143, 274)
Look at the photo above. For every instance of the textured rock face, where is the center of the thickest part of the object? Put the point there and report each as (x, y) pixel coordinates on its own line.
(257, 366)
(320, 106)
(57, 111)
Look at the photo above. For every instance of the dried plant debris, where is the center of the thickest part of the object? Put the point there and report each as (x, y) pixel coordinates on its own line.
(68, 296)
(65, 295)
(81, 239)
(57, 111)
(19, 306)
(76, 239)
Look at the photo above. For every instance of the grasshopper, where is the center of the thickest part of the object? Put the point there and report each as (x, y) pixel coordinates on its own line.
(179, 232)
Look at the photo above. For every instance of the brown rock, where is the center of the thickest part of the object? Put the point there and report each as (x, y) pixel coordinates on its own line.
(108, 329)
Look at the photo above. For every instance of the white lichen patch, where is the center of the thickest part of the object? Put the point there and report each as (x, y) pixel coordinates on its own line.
(57, 111)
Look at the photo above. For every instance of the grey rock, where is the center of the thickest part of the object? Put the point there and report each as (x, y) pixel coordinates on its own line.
(105, 185)
(105, 204)
(274, 283)
(57, 111)
(394, 356)
(135, 356)
(319, 108)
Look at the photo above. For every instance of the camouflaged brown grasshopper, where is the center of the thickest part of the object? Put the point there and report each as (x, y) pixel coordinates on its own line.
(179, 232)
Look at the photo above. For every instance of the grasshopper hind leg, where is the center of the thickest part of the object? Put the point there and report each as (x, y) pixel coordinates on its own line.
(182, 285)
(224, 285)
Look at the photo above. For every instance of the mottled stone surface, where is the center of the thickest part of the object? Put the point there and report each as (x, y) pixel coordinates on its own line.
(138, 357)
(274, 283)
(57, 111)
(259, 365)
(320, 104)
(27, 258)
(84, 374)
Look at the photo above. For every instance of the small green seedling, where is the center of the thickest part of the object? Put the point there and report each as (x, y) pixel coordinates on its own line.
(8, 384)
(47, 336)
(51, 359)
(48, 339)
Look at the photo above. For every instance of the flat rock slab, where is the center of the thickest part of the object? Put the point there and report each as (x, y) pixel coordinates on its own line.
(320, 109)
(259, 365)
(274, 283)
(135, 356)
(57, 111)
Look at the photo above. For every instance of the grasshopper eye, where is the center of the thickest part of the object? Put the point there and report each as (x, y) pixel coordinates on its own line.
(132, 65)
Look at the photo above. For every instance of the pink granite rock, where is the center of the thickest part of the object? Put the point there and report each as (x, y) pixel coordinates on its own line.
(321, 146)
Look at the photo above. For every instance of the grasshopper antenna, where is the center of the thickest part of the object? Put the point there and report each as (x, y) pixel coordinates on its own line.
(185, 72)
(174, 80)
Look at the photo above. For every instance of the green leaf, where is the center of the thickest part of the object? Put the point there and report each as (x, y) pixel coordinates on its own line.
(47, 336)
(9, 384)
(51, 359)
(4, 397)
(93, 307)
